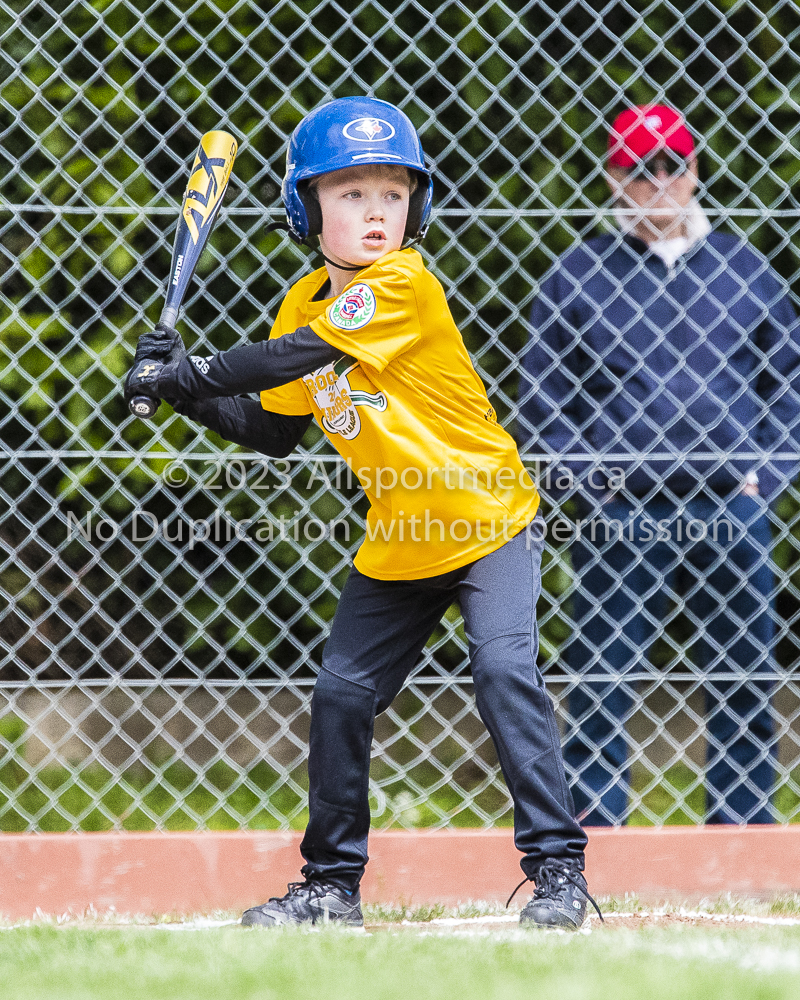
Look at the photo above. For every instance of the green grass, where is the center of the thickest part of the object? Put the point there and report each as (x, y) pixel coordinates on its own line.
(92, 798)
(675, 963)
(679, 786)
(175, 796)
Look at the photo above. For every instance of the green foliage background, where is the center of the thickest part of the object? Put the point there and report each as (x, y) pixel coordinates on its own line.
(101, 109)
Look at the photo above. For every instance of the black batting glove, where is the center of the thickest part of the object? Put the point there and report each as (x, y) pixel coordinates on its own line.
(162, 344)
(143, 378)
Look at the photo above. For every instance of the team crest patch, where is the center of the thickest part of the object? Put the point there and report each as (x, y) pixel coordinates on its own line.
(338, 401)
(354, 308)
(368, 130)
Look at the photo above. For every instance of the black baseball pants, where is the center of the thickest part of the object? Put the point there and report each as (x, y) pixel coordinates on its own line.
(378, 633)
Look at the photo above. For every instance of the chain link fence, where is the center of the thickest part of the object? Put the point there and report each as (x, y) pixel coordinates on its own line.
(164, 596)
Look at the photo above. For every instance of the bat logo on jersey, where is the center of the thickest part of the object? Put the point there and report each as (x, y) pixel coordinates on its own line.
(354, 308)
(371, 129)
(210, 172)
(338, 401)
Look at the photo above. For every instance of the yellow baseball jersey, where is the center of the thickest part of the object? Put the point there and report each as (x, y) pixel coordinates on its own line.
(407, 411)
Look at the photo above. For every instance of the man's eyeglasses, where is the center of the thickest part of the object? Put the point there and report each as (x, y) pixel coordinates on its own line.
(664, 160)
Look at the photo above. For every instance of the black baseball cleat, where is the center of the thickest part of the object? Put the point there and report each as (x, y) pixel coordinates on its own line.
(310, 902)
(560, 897)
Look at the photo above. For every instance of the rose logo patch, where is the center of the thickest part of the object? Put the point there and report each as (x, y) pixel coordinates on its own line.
(354, 308)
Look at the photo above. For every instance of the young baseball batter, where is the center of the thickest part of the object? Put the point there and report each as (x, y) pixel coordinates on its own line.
(366, 346)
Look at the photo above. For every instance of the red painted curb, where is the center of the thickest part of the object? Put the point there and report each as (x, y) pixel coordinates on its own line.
(190, 872)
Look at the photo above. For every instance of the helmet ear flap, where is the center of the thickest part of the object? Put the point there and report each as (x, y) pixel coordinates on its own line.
(414, 217)
(308, 196)
(419, 208)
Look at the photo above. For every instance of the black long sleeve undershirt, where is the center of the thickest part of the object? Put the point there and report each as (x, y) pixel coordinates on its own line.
(265, 365)
(245, 422)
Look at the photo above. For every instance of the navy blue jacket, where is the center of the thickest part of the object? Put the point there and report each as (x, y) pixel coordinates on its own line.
(693, 373)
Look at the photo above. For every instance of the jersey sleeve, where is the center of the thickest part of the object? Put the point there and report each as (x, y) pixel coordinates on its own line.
(374, 321)
(289, 399)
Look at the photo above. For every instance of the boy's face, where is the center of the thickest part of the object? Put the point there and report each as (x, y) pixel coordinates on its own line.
(364, 212)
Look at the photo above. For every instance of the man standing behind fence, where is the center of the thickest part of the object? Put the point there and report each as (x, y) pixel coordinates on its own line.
(676, 346)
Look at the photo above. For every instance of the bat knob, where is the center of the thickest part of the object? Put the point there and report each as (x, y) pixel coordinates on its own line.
(143, 406)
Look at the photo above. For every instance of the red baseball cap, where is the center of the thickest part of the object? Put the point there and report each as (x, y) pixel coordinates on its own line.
(641, 131)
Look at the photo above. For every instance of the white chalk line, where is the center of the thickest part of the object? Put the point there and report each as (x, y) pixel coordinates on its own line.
(740, 918)
(442, 924)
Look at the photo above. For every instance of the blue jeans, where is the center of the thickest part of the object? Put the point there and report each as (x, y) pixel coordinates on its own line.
(378, 633)
(623, 590)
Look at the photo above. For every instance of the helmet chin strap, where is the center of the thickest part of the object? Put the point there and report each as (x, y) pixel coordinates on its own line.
(342, 267)
(274, 226)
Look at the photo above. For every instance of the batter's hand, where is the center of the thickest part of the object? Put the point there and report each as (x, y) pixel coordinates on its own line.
(162, 344)
(142, 379)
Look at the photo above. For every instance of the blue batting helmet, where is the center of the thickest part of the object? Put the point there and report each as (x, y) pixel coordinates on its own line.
(347, 133)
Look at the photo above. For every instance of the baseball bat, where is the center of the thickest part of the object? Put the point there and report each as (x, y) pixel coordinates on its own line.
(202, 199)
